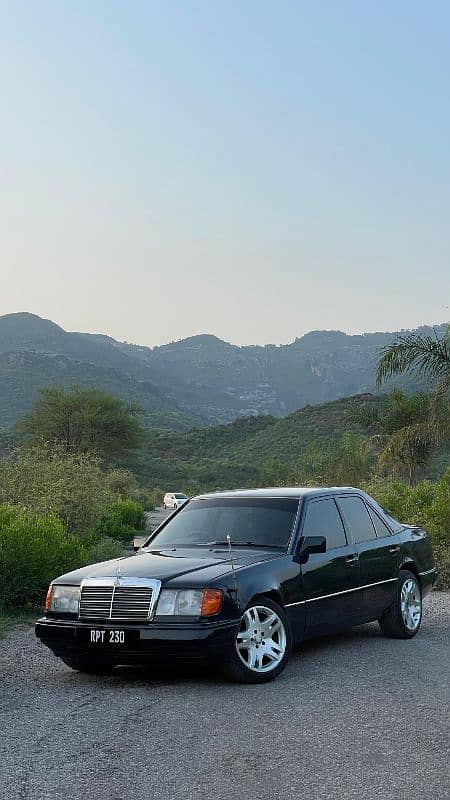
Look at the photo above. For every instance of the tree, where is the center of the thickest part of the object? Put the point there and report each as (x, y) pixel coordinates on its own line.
(429, 356)
(83, 421)
(354, 458)
(406, 451)
(399, 428)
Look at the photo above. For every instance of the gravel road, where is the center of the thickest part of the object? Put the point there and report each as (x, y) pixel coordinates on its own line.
(353, 716)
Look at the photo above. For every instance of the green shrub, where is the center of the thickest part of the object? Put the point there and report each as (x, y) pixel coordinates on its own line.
(122, 520)
(439, 513)
(49, 480)
(426, 503)
(33, 551)
(123, 484)
(103, 550)
(442, 558)
(153, 498)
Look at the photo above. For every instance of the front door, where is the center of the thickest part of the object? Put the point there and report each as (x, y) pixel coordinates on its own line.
(331, 579)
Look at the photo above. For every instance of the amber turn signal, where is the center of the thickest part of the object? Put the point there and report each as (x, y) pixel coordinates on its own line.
(211, 602)
(48, 598)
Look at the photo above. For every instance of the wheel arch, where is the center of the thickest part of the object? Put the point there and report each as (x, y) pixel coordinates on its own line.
(272, 594)
(275, 596)
(411, 566)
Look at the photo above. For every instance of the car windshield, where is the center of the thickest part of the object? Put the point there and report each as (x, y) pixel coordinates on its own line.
(180, 496)
(263, 522)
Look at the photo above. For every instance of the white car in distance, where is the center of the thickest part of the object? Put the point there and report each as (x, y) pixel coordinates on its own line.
(174, 499)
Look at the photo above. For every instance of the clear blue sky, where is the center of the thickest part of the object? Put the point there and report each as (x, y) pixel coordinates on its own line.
(250, 169)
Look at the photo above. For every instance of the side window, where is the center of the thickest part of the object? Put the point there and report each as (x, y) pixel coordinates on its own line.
(357, 518)
(322, 519)
(396, 525)
(380, 526)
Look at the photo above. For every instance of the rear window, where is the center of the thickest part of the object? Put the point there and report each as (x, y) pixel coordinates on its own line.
(393, 523)
(357, 518)
(380, 526)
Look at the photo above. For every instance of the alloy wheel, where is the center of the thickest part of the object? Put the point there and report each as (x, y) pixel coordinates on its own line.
(411, 604)
(261, 640)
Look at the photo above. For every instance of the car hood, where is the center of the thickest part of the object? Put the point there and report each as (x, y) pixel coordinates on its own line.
(166, 565)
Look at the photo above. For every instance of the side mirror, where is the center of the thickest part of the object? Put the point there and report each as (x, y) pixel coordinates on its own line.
(138, 541)
(311, 544)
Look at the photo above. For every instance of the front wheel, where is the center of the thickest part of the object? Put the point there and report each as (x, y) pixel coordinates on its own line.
(262, 645)
(402, 620)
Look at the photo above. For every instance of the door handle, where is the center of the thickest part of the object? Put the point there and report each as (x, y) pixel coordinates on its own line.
(395, 549)
(353, 559)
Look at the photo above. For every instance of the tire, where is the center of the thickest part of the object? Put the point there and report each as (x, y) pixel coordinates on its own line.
(164, 506)
(88, 665)
(269, 659)
(402, 619)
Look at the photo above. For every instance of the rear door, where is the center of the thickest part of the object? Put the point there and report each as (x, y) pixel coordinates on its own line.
(378, 551)
(330, 579)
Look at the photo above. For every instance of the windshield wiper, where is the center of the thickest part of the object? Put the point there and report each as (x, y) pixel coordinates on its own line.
(243, 544)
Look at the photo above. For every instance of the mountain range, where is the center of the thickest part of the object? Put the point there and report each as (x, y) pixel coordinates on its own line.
(198, 381)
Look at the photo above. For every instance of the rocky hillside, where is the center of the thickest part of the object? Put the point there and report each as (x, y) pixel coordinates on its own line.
(201, 380)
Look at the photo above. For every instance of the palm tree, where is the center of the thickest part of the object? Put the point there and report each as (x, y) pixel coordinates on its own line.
(397, 428)
(429, 356)
(407, 450)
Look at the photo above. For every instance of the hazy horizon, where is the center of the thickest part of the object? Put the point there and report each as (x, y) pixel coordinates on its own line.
(253, 171)
(212, 333)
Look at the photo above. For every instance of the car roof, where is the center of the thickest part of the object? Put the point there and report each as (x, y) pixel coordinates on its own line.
(281, 491)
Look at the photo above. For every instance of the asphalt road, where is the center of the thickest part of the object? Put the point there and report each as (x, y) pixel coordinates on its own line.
(152, 519)
(353, 716)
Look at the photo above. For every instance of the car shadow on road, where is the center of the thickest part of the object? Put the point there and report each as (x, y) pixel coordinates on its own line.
(343, 642)
(330, 640)
(189, 673)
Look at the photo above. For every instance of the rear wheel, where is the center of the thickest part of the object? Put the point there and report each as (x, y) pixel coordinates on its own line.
(402, 620)
(88, 665)
(262, 645)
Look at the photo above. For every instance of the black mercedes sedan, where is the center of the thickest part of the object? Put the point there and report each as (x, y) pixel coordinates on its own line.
(239, 578)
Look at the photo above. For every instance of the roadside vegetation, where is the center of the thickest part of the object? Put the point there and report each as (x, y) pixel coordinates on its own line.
(12, 616)
(78, 471)
(64, 502)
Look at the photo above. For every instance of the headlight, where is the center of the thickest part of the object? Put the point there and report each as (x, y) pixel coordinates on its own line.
(63, 599)
(186, 601)
(189, 602)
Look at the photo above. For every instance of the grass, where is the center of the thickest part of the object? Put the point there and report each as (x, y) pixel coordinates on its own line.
(10, 617)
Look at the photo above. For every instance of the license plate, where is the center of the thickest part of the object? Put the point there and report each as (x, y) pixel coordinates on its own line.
(97, 636)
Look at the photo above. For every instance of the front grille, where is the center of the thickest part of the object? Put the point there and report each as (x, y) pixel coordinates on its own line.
(95, 602)
(115, 601)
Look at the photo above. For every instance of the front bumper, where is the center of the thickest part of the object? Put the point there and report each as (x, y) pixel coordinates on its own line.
(143, 643)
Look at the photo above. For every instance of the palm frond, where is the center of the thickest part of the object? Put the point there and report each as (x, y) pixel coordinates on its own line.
(418, 437)
(427, 355)
(408, 449)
